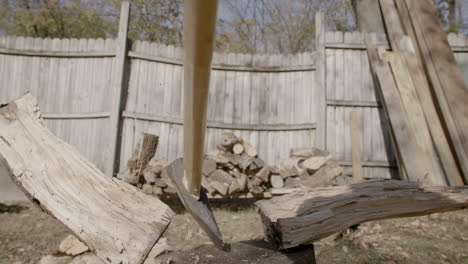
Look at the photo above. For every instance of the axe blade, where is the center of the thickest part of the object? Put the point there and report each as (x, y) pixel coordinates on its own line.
(200, 209)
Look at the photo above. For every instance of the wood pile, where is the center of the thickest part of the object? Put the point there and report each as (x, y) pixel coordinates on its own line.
(423, 94)
(234, 170)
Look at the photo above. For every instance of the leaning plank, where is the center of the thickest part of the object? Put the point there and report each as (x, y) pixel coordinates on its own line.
(397, 25)
(309, 215)
(411, 156)
(358, 173)
(116, 221)
(444, 74)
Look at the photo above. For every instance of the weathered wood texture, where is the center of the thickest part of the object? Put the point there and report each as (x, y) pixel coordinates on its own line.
(309, 215)
(269, 100)
(116, 221)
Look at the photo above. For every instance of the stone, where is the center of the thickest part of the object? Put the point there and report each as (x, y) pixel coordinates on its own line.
(277, 181)
(209, 166)
(71, 246)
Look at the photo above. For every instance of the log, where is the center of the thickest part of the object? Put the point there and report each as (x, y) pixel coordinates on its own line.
(238, 148)
(119, 223)
(312, 214)
(249, 150)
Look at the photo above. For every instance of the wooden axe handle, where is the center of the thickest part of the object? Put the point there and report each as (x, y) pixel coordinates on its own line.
(199, 33)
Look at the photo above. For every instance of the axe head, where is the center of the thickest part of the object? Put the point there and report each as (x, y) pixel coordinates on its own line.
(200, 209)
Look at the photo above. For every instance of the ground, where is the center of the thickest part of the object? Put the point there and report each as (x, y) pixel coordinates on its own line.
(26, 234)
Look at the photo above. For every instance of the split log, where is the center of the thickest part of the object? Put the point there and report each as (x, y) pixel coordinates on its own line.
(119, 223)
(312, 214)
(238, 149)
(249, 150)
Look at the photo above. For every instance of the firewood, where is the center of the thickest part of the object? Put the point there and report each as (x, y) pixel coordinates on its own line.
(221, 176)
(314, 163)
(220, 187)
(287, 169)
(249, 150)
(306, 153)
(206, 184)
(243, 180)
(238, 149)
(209, 166)
(264, 174)
(157, 190)
(149, 175)
(158, 165)
(313, 214)
(255, 186)
(147, 189)
(235, 187)
(292, 182)
(159, 182)
(70, 188)
(277, 181)
(324, 176)
(245, 161)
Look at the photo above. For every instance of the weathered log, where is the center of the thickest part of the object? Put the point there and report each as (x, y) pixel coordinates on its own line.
(238, 148)
(119, 223)
(311, 214)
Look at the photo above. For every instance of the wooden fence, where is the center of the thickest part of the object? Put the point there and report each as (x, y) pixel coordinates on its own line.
(100, 95)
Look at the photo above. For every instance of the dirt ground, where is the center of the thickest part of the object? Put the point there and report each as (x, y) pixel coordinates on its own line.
(26, 234)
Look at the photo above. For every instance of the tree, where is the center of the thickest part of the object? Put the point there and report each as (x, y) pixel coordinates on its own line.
(55, 18)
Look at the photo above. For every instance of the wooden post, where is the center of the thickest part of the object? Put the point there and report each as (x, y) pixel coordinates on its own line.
(118, 90)
(358, 174)
(319, 100)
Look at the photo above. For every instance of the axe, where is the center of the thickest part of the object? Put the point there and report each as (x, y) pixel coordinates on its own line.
(186, 172)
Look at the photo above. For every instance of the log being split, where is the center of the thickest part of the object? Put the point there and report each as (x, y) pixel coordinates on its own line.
(115, 220)
(309, 215)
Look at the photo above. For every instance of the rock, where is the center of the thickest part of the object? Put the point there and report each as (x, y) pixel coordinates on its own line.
(147, 189)
(149, 175)
(160, 183)
(238, 149)
(209, 166)
(249, 150)
(221, 176)
(315, 163)
(287, 169)
(222, 188)
(55, 260)
(71, 246)
(264, 174)
(277, 181)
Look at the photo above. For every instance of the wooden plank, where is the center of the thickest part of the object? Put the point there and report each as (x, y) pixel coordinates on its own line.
(445, 76)
(320, 84)
(358, 173)
(435, 144)
(225, 67)
(413, 159)
(351, 46)
(117, 222)
(56, 54)
(353, 103)
(118, 90)
(317, 213)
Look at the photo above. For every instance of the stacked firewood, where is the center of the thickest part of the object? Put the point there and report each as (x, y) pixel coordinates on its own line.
(234, 170)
